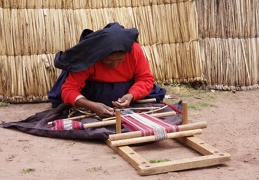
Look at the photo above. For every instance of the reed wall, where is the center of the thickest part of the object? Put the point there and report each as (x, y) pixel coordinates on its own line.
(229, 43)
(215, 42)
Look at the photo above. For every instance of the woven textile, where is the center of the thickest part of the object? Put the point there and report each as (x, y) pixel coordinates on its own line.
(65, 124)
(149, 125)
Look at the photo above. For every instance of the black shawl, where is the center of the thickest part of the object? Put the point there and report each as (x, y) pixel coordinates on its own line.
(94, 46)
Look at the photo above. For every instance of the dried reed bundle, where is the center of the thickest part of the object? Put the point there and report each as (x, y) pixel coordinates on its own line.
(176, 24)
(174, 64)
(4, 75)
(232, 19)
(2, 36)
(192, 21)
(159, 15)
(166, 57)
(7, 30)
(171, 63)
(69, 29)
(123, 15)
(143, 26)
(109, 14)
(148, 53)
(24, 72)
(183, 21)
(231, 63)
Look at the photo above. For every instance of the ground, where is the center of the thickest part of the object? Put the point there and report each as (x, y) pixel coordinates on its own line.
(232, 127)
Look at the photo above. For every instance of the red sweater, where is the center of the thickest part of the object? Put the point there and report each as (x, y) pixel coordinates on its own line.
(135, 65)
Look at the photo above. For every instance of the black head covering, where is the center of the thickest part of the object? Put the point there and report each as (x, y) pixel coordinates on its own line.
(94, 46)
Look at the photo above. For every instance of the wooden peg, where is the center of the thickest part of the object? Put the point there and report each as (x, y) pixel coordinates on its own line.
(185, 113)
(118, 121)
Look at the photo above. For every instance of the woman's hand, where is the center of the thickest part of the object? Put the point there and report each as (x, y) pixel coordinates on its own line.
(124, 101)
(99, 109)
(102, 110)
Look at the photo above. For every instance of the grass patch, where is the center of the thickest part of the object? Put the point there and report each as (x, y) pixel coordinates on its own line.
(200, 105)
(159, 161)
(206, 105)
(193, 106)
(94, 169)
(191, 95)
(28, 170)
(3, 104)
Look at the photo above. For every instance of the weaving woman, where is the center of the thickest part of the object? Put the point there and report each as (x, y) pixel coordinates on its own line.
(106, 68)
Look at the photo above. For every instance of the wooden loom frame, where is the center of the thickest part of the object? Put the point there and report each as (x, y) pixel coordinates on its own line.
(209, 155)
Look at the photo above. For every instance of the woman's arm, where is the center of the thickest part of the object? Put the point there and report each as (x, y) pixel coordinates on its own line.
(71, 94)
(144, 80)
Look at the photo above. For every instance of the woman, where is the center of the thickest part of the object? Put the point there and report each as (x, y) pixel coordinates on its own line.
(107, 68)
(117, 80)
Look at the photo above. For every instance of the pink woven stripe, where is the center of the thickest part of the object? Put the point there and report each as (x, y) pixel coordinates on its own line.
(168, 126)
(145, 130)
(65, 124)
(137, 126)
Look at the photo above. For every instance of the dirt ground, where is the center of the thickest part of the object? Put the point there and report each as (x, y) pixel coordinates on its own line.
(232, 127)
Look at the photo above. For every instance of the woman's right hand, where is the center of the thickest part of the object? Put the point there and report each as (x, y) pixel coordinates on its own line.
(102, 110)
(99, 109)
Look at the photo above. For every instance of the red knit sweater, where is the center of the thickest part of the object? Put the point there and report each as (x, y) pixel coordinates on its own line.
(135, 65)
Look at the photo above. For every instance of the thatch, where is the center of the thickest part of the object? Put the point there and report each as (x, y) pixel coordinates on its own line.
(229, 32)
(231, 64)
(184, 41)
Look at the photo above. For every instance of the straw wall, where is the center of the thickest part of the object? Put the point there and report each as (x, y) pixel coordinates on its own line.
(184, 40)
(33, 31)
(229, 43)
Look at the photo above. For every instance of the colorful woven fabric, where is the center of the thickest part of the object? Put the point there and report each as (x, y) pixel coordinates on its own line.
(65, 124)
(149, 125)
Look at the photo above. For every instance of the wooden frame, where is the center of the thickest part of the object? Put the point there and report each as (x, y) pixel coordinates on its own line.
(209, 155)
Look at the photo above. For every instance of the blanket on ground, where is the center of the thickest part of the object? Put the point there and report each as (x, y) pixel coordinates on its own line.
(38, 123)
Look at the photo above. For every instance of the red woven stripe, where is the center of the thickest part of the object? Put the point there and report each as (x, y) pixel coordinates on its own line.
(137, 126)
(169, 127)
(145, 130)
(65, 124)
(77, 125)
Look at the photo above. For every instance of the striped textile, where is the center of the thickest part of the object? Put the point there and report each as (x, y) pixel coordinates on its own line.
(65, 124)
(149, 125)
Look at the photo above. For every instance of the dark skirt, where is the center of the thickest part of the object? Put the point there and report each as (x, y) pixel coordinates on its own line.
(105, 92)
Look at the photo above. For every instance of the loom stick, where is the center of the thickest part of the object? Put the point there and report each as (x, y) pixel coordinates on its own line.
(163, 114)
(134, 134)
(146, 100)
(112, 122)
(76, 117)
(118, 121)
(185, 113)
(144, 139)
(143, 108)
(154, 114)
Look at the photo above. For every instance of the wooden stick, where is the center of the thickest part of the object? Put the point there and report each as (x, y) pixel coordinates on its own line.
(185, 113)
(134, 134)
(163, 114)
(112, 122)
(155, 110)
(146, 100)
(142, 108)
(76, 117)
(144, 139)
(118, 121)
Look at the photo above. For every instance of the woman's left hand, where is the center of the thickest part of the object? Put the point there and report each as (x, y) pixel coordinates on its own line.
(124, 101)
